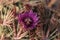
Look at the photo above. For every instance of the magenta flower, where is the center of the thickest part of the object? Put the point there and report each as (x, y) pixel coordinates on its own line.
(29, 19)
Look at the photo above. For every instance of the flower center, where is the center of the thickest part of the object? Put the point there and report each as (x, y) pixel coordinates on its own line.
(28, 21)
